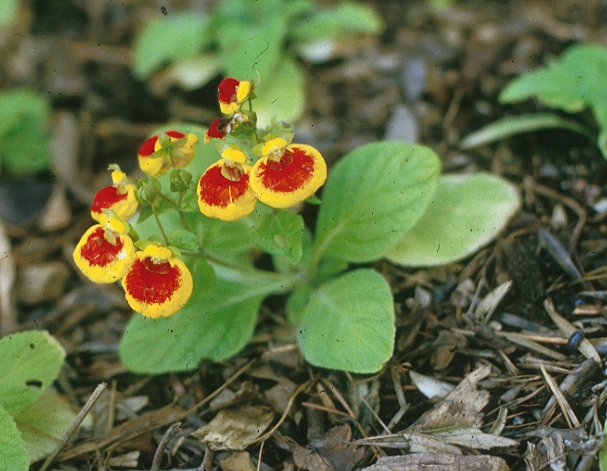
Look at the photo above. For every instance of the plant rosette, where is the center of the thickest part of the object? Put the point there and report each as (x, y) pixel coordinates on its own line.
(217, 196)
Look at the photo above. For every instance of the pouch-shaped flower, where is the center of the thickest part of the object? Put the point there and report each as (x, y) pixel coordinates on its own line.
(104, 255)
(232, 94)
(159, 153)
(287, 174)
(157, 284)
(119, 198)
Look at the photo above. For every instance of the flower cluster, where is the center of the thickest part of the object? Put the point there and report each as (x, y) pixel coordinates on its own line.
(283, 175)
(254, 165)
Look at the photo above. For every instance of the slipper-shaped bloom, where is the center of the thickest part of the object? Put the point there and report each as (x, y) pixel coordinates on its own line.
(119, 198)
(157, 284)
(287, 174)
(217, 130)
(104, 253)
(223, 189)
(232, 94)
(159, 153)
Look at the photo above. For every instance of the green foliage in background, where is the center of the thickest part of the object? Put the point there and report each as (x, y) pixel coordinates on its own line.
(24, 138)
(573, 83)
(33, 418)
(246, 39)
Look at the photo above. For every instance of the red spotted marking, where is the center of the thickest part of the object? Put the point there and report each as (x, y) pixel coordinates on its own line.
(227, 90)
(175, 134)
(98, 251)
(147, 148)
(217, 190)
(106, 198)
(152, 283)
(290, 173)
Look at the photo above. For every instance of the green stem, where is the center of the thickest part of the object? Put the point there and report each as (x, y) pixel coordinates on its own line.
(184, 223)
(164, 236)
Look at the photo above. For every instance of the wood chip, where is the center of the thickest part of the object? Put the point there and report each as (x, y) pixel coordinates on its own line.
(439, 462)
(570, 416)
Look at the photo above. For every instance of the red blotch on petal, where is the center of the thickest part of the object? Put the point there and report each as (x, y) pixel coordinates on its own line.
(152, 283)
(147, 148)
(216, 129)
(217, 190)
(227, 90)
(97, 251)
(291, 172)
(175, 134)
(106, 198)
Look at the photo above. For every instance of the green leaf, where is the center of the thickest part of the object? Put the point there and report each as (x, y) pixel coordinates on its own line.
(372, 197)
(344, 19)
(573, 82)
(24, 117)
(169, 38)
(467, 212)
(296, 302)
(349, 323)
(214, 327)
(280, 233)
(13, 454)
(8, 11)
(44, 423)
(29, 362)
(280, 95)
(510, 126)
(184, 240)
(188, 74)
(250, 45)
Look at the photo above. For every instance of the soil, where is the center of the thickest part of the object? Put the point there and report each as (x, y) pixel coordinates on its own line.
(445, 67)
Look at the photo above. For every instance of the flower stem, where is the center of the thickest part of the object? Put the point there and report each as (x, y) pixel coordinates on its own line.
(164, 236)
(184, 223)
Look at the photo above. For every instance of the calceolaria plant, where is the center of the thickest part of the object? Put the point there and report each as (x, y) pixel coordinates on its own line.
(182, 241)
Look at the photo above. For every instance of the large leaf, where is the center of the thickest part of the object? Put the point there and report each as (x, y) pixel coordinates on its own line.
(572, 83)
(281, 232)
(251, 37)
(44, 423)
(24, 117)
(467, 212)
(343, 19)
(169, 38)
(29, 362)
(281, 94)
(349, 323)
(373, 196)
(8, 11)
(13, 455)
(214, 327)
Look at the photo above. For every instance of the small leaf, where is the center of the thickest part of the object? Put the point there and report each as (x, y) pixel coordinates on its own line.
(168, 39)
(13, 454)
(24, 117)
(373, 196)
(349, 323)
(184, 240)
(29, 362)
(280, 95)
(280, 233)
(511, 126)
(467, 212)
(344, 19)
(44, 423)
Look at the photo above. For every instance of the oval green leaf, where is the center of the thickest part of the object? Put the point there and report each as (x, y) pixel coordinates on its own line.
(349, 323)
(467, 212)
(168, 39)
(373, 196)
(13, 455)
(29, 363)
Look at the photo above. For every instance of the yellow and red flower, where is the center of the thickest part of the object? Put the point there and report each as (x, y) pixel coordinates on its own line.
(157, 284)
(105, 253)
(217, 130)
(223, 189)
(119, 198)
(161, 152)
(287, 174)
(232, 94)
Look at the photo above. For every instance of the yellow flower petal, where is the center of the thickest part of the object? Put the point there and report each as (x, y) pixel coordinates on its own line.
(103, 260)
(223, 198)
(157, 288)
(289, 179)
